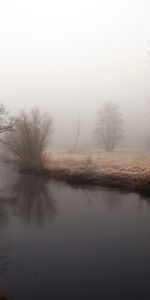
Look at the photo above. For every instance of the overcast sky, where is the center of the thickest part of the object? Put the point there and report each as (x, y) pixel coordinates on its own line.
(69, 56)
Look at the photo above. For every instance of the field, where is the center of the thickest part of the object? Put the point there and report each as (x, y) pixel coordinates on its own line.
(126, 170)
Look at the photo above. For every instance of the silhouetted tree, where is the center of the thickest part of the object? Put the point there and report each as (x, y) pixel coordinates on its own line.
(6, 122)
(29, 139)
(109, 127)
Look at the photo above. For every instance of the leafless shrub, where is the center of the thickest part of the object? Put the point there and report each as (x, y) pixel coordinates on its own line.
(29, 139)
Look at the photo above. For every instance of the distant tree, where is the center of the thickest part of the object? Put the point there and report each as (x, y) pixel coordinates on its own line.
(109, 127)
(78, 128)
(29, 139)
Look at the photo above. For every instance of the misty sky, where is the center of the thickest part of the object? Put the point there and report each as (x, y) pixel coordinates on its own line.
(69, 56)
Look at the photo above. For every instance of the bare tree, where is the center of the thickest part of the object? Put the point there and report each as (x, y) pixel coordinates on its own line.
(76, 141)
(6, 122)
(109, 127)
(29, 139)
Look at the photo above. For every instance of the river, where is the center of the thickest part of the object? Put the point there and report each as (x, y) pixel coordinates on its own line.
(59, 242)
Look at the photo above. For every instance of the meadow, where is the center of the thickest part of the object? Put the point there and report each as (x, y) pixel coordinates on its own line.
(126, 170)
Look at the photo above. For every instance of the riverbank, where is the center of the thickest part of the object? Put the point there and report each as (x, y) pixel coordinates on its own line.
(123, 170)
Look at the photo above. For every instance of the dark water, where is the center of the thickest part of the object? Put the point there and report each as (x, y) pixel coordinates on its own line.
(63, 243)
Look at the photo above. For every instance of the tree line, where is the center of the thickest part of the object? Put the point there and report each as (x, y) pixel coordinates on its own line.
(27, 135)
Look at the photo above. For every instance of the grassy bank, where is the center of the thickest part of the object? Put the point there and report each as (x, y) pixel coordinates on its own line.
(128, 171)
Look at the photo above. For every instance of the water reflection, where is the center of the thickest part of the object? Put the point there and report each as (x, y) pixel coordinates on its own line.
(99, 234)
(112, 198)
(30, 198)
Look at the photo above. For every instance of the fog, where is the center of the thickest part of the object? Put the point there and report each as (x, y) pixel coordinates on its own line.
(68, 57)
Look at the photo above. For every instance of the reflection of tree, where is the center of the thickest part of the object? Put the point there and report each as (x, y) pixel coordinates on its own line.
(143, 199)
(30, 198)
(111, 198)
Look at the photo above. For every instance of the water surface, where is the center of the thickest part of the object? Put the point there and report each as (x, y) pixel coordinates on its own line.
(64, 243)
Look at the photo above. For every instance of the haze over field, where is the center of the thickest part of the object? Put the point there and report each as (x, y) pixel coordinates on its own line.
(68, 57)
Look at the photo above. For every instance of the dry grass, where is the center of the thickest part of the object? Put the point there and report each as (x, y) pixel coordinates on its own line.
(119, 169)
(124, 162)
